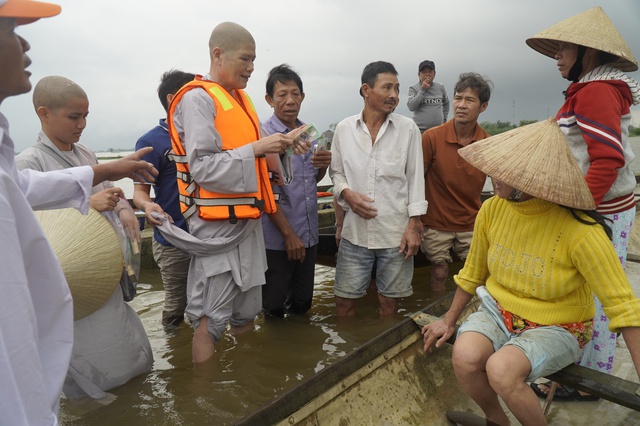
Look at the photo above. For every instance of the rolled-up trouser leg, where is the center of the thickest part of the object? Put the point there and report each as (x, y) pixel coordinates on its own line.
(174, 268)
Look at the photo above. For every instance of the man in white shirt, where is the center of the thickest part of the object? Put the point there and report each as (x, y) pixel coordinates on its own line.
(378, 179)
(36, 311)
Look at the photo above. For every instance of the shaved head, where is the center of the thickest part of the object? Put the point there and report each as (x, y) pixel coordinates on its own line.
(54, 92)
(228, 36)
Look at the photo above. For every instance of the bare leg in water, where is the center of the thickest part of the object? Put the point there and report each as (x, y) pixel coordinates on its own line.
(439, 274)
(203, 346)
(388, 305)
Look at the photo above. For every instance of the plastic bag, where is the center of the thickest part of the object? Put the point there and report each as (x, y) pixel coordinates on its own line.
(130, 245)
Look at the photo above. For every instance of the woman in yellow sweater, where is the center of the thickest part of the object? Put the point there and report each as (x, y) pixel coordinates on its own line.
(539, 252)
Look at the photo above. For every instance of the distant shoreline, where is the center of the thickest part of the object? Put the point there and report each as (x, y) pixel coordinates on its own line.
(112, 155)
(127, 184)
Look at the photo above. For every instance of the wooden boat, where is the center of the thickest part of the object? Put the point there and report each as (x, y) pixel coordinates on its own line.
(391, 381)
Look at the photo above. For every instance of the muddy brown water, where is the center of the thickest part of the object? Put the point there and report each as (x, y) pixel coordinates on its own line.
(247, 371)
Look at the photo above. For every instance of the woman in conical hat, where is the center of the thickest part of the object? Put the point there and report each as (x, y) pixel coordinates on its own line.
(595, 117)
(539, 250)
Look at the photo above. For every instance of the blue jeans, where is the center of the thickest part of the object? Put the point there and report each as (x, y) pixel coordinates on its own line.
(354, 267)
(548, 349)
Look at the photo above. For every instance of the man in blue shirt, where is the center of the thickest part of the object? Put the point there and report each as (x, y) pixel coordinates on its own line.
(173, 262)
(291, 234)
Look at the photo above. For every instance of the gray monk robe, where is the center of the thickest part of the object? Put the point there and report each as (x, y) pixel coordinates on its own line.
(219, 246)
(110, 346)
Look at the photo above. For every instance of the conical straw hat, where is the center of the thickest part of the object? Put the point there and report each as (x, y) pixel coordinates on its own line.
(88, 251)
(535, 159)
(592, 28)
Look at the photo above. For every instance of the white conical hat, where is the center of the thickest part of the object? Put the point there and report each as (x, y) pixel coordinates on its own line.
(592, 28)
(89, 252)
(535, 159)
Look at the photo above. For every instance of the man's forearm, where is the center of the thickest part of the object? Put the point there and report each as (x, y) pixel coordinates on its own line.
(414, 222)
(141, 198)
(280, 221)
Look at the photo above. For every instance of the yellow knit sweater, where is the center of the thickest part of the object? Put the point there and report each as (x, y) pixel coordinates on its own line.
(541, 263)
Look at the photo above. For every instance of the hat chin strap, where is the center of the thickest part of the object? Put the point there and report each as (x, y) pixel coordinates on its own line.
(515, 195)
(576, 69)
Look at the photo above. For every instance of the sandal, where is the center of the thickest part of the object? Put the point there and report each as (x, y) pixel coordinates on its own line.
(563, 393)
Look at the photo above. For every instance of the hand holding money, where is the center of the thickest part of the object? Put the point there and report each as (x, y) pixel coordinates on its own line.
(303, 138)
(321, 152)
(321, 159)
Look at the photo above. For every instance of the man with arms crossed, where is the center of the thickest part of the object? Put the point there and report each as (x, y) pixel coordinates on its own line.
(377, 175)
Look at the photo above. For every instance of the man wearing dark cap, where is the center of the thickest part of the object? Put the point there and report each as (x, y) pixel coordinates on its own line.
(428, 100)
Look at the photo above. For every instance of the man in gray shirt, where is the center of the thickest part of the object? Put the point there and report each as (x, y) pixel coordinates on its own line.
(428, 100)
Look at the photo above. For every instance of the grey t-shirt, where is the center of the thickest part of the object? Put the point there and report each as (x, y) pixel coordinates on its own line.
(430, 107)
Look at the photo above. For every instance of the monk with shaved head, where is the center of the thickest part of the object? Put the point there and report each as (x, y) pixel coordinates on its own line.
(110, 345)
(229, 36)
(62, 107)
(224, 189)
(54, 92)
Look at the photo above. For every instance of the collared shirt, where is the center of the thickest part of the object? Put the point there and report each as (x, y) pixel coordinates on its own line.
(36, 310)
(390, 171)
(452, 185)
(298, 200)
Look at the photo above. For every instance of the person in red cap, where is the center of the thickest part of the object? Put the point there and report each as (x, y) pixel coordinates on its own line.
(36, 311)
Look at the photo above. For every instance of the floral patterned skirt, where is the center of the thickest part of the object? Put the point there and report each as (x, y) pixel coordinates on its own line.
(582, 331)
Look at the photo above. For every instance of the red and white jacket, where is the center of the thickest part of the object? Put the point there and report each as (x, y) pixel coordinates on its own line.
(595, 119)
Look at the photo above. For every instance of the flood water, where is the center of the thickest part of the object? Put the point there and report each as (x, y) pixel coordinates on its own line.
(247, 371)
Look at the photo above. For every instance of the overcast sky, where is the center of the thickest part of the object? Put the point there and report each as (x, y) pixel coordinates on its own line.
(117, 50)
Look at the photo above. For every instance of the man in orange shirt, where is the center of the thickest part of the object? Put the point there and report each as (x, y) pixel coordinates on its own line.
(453, 186)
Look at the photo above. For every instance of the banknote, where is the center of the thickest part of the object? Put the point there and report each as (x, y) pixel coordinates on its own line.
(322, 144)
(306, 133)
(324, 141)
(303, 134)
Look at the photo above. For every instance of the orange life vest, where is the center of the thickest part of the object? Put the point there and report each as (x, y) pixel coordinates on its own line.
(237, 123)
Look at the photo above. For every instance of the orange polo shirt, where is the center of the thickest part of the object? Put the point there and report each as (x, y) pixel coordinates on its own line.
(452, 186)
